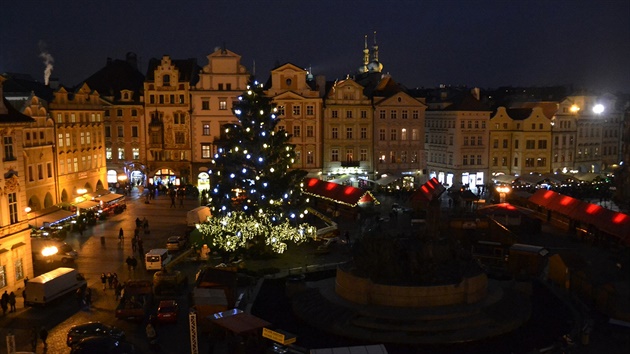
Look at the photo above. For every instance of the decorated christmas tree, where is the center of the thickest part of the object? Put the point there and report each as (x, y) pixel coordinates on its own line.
(255, 196)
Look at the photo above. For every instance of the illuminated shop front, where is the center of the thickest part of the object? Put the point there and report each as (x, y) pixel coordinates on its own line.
(165, 176)
(203, 181)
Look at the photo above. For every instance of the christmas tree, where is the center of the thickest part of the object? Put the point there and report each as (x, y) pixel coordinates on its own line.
(255, 196)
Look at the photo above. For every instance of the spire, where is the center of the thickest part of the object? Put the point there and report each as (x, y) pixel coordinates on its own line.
(375, 48)
(366, 54)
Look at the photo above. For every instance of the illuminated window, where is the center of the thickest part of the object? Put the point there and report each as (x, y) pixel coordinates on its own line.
(206, 153)
(206, 129)
(135, 152)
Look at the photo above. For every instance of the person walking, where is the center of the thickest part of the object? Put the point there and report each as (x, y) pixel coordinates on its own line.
(4, 302)
(104, 280)
(121, 235)
(134, 263)
(88, 297)
(151, 335)
(34, 338)
(43, 335)
(134, 243)
(128, 261)
(110, 280)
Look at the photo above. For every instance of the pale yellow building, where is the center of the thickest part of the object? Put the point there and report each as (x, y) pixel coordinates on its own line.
(39, 156)
(297, 95)
(221, 81)
(80, 145)
(348, 143)
(399, 135)
(520, 142)
(168, 124)
(15, 246)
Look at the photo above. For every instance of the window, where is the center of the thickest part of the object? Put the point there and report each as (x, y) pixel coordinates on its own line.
(504, 161)
(296, 110)
(166, 80)
(49, 170)
(220, 87)
(205, 105)
(349, 156)
(542, 144)
(28, 136)
(516, 162)
(120, 131)
(392, 156)
(381, 114)
(68, 140)
(415, 134)
(505, 143)
(135, 153)
(349, 133)
(479, 141)
(465, 160)
(8, 148)
(334, 113)
(73, 118)
(381, 134)
(121, 153)
(309, 158)
(206, 153)
(393, 114)
(82, 138)
(335, 133)
(310, 110)
(516, 144)
(180, 138)
(404, 114)
(334, 155)
(470, 124)
(414, 114)
(465, 141)
(206, 129)
(108, 134)
(363, 133)
(530, 144)
(363, 155)
(280, 110)
(529, 162)
(60, 136)
(223, 104)
(310, 131)
(393, 134)
(119, 112)
(134, 131)
(363, 114)
(462, 125)
(59, 118)
(297, 131)
(478, 159)
(541, 162)
(495, 161)
(108, 153)
(40, 171)
(13, 207)
(30, 173)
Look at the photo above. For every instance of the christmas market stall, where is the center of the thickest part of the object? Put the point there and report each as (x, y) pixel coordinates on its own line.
(337, 200)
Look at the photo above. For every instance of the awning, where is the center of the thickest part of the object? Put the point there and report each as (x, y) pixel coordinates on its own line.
(111, 197)
(340, 179)
(238, 322)
(383, 181)
(504, 178)
(88, 204)
(531, 178)
(52, 218)
(337, 193)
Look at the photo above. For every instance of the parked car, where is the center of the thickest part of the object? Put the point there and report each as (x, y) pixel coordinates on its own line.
(175, 243)
(102, 345)
(92, 329)
(167, 311)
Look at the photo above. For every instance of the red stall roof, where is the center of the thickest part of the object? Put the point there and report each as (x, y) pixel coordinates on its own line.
(429, 191)
(337, 193)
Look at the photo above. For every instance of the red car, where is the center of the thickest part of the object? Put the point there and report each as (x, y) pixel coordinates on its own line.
(167, 311)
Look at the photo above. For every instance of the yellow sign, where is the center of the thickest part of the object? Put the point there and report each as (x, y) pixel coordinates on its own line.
(278, 336)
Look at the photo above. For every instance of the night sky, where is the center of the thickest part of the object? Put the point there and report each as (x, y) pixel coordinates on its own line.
(421, 43)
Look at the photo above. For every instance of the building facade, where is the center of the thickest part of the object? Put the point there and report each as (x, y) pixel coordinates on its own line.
(168, 124)
(80, 145)
(16, 263)
(296, 94)
(120, 86)
(520, 142)
(221, 81)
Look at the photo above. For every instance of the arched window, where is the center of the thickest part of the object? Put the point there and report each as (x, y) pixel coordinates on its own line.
(166, 80)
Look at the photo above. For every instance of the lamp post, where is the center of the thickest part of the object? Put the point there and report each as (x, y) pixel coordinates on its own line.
(28, 217)
(503, 191)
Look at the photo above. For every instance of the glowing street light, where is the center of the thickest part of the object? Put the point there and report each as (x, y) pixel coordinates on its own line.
(598, 108)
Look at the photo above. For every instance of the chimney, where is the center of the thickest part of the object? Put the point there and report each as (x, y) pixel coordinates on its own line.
(320, 83)
(476, 93)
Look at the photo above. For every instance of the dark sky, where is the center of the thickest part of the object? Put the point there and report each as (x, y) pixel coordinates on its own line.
(421, 43)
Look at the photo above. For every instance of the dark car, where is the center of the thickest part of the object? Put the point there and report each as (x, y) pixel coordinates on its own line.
(102, 345)
(92, 329)
(167, 311)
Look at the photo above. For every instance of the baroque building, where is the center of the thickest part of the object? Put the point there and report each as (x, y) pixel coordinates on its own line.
(120, 86)
(15, 247)
(297, 95)
(80, 148)
(220, 83)
(168, 119)
(520, 141)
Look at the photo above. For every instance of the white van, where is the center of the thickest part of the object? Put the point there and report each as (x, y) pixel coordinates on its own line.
(156, 259)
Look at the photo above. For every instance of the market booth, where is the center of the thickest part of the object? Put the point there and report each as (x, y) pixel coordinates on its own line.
(342, 201)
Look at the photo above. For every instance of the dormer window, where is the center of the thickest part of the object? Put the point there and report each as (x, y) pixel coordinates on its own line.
(166, 80)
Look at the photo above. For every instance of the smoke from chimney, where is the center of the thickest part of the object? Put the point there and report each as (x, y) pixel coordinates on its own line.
(48, 61)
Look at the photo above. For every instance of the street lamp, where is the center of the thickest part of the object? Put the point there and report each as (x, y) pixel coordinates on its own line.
(503, 191)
